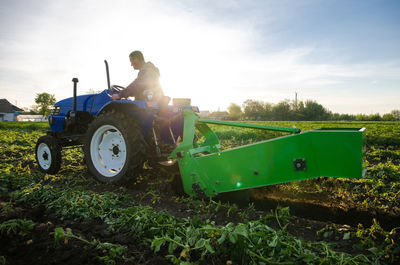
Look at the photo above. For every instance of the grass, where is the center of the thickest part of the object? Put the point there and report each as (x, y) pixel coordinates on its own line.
(189, 240)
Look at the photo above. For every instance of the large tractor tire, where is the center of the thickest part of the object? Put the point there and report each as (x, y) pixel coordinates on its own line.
(114, 148)
(48, 154)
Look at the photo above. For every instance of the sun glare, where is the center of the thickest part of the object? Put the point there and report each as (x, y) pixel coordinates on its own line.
(198, 69)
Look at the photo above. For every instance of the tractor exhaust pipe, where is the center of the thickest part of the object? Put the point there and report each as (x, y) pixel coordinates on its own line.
(108, 75)
(75, 80)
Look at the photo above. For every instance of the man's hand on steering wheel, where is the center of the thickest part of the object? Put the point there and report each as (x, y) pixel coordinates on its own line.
(117, 88)
(115, 97)
(115, 92)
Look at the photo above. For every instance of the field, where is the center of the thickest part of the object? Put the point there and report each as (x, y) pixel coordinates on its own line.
(69, 218)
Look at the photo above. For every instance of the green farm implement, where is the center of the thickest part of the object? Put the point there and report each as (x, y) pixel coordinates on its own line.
(205, 169)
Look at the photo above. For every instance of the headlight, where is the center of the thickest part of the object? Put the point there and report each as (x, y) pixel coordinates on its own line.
(55, 110)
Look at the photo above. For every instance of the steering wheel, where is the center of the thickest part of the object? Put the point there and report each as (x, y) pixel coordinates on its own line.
(116, 88)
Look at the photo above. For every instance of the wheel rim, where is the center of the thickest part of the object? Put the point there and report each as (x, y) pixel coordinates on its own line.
(44, 156)
(108, 150)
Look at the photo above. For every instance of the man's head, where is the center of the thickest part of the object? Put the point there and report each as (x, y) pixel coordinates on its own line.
(137, 59)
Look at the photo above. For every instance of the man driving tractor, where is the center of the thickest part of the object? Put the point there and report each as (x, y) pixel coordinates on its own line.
(147, 81)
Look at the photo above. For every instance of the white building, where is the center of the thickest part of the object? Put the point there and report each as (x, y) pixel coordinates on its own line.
(204, 113)
(8, 112)
(29, 117)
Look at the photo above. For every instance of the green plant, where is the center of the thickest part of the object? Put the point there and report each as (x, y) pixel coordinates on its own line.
(381, 244)
(6, 208)
(250, 210)
(21, 227)
(280, 215)
(115, 252)
(327, 232)
(153, 194)
(232, 209)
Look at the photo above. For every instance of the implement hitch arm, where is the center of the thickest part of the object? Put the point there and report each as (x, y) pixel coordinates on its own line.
(206, 170)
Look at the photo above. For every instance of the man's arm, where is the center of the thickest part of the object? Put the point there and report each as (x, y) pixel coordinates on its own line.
(132, 89)
(147, 78)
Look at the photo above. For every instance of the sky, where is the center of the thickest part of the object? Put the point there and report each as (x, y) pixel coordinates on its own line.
(344, 54)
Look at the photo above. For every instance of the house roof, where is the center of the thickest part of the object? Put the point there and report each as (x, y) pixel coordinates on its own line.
(7, 107)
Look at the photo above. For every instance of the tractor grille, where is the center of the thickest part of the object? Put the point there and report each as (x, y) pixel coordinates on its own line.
(55, 110)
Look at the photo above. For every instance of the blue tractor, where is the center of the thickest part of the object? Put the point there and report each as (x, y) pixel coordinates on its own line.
(117, 136)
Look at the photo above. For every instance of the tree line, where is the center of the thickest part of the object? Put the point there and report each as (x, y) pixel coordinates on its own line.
(288, 110)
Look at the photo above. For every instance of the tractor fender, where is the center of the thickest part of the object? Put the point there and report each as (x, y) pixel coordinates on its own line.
(117, 104)
(137, 110)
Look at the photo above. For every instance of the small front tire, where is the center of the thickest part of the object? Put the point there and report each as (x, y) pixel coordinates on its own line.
(48, 154)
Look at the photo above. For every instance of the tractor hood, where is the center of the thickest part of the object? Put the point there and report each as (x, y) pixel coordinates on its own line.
(70, 101)
(83, 102)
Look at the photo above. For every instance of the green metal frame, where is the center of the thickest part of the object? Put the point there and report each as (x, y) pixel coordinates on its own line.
(330, 152)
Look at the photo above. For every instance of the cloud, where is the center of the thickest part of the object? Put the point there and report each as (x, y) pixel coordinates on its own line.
(209, 54)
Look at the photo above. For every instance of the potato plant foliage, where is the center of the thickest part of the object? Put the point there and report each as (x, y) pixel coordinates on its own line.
(196, 237)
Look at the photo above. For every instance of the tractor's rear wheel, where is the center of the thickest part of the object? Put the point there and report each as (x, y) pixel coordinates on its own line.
(114, 148)
(48, 154)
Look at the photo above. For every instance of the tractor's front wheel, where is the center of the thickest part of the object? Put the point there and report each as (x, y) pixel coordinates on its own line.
(48, 154)
(114, 148)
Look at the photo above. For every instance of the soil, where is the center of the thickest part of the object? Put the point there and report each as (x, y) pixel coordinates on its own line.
(39, 247)
(308, 218)
(323, 209)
